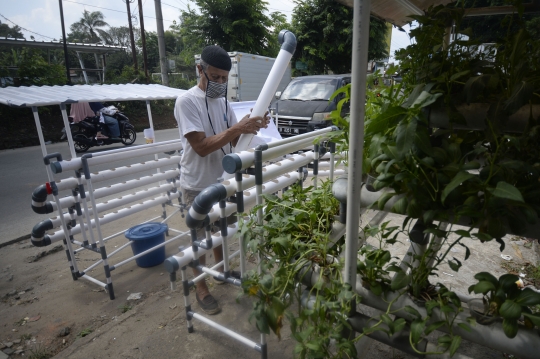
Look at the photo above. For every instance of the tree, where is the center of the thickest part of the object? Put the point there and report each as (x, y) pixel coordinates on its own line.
(7, 31)
(235, 25)
(87, 29)
(323, 29)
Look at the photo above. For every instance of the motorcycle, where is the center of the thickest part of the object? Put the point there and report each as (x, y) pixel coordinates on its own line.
(84, 132)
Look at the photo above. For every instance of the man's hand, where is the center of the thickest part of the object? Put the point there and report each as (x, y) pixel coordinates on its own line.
(252, 125)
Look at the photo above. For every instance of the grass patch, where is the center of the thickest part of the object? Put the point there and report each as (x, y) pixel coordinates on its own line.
(39, 352)
(124, 308)
(84, 332)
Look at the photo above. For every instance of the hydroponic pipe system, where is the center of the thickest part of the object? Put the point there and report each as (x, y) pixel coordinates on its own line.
(288, 45)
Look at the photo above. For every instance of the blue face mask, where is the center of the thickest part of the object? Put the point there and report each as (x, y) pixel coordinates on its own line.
(214, 89)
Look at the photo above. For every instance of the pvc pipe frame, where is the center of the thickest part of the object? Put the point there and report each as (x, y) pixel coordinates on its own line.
(116, 155)
(523, 346)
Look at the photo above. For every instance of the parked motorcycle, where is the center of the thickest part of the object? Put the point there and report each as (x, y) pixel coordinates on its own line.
(84, 132)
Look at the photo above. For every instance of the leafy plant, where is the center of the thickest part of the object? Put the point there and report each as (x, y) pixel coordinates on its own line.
(503, 297)
(295, 240)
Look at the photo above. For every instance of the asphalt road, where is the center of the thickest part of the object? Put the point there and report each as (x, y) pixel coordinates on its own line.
(22, 170)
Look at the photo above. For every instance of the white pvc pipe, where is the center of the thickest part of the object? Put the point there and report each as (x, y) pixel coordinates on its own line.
(267, 93)
(110, 217)
(356, 133)
(119, 154)
(228, 332)
(120, 201)
(68, 130)
(71, 183)
(247, 158)
(119, 187)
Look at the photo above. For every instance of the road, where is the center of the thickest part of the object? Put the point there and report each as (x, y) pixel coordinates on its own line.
(22, 170)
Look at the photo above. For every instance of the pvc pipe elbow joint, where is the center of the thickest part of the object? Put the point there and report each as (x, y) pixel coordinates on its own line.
(39, 196)
(287, 41)
(339, 189)
(171, 265)
(197, 216)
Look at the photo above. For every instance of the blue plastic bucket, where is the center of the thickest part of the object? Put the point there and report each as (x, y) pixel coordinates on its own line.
(145, 236)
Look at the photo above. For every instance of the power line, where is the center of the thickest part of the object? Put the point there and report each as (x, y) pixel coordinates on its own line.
(25, 29)
(99, 7)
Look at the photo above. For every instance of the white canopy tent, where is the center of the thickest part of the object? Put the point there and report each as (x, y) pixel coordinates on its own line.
(36, 96)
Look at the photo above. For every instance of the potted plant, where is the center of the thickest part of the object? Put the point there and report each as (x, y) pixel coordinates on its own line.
(504, 298)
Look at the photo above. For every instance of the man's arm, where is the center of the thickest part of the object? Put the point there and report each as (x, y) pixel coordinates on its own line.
(206, 145)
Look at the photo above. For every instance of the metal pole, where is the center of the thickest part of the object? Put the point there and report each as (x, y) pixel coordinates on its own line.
(143, 39)
(161, 44)
(356, 134)
(132, 38)
(66, 58)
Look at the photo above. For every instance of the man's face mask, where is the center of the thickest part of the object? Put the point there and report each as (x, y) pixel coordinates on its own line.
(215, 89)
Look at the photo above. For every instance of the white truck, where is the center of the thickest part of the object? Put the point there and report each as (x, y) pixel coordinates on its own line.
(248, 75)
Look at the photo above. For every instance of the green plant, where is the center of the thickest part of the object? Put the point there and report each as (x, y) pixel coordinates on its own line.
(40, 352)
(295, 240)
(85, 332)
(503, 297)
(125, 308)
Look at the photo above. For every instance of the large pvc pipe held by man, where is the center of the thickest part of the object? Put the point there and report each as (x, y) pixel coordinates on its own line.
(288, 45)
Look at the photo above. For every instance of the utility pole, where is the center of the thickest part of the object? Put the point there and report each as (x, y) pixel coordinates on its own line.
(161, 44)
(66, 57)
(133, 51)
(143, 38)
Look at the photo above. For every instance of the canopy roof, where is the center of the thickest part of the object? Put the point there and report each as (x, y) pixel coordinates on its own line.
(25, 96)
(94, 48)
(397, 11)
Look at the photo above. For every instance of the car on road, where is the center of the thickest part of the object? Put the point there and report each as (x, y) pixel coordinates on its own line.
(304, 105)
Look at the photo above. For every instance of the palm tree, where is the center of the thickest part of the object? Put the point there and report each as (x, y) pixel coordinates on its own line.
(88, 27)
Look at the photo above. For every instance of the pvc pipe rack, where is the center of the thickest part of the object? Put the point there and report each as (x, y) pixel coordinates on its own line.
(87, 208)
(210, 205)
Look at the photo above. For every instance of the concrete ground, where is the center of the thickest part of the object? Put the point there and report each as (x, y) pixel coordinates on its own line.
(43, 311)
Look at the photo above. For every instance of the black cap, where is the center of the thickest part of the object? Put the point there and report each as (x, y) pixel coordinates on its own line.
(217, 57)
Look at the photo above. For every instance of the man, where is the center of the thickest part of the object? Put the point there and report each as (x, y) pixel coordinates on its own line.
(111, 122)
(208, 130)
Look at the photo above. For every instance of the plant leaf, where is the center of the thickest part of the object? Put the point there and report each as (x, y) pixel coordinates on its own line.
(399, 281)
(434, 326)
(417, 328)
(534, 318)
(510, 327)
(528, 297)
(456, 181)
(456, 341)
(510, 310)
(483, 287)
(405, 135)
(507, 191)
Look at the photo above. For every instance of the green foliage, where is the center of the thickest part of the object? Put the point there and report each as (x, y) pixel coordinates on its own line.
(235, 25)
(32, 69)
(296, 243)
(434, 171)
(88, 28)
(323, 29)
(504, 298)
(8, 31)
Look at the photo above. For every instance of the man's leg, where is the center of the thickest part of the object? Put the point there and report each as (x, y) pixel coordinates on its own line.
(207, 302)
(112, 124)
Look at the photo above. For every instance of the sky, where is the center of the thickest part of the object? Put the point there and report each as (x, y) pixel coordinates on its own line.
(41, 18)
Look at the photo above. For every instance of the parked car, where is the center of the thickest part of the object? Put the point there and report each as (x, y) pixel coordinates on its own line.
(304, 105)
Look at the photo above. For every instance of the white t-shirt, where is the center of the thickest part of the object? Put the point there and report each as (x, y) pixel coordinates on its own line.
(190, 112)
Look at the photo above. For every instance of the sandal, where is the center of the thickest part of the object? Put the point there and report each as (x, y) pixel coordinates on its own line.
(209, 304)
(101, 137)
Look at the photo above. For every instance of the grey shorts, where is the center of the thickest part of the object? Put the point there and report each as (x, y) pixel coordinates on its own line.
(189, 197)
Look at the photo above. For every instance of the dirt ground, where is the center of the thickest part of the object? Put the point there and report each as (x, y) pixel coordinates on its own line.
(43, 312)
